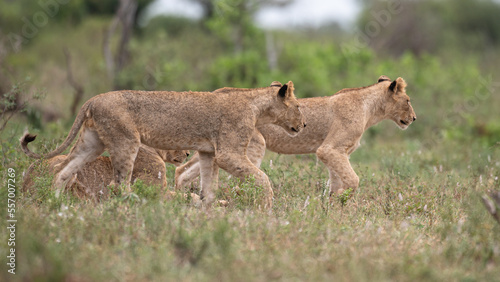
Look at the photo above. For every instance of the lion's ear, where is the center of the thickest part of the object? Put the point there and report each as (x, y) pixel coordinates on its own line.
(392, 87)
(276, 84)
(286, 91)
(383, 78)
(282, 91)
(401, 84)
(398, 85)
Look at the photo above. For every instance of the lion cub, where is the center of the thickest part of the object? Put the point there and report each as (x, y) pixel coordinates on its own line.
(219, 125)
(91, 180)
(335, 125)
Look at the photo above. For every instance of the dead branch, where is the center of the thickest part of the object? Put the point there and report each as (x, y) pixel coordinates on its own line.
(108, 56)
(77, 86)
(492, 204)
(126, 13)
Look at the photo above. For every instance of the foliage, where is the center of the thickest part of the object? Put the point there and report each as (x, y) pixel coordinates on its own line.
(16, 101)
(246, 69)
(172, 25)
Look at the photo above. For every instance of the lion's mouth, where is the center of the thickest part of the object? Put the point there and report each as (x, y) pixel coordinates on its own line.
(295, 130)
(177, 162)
(403, 122)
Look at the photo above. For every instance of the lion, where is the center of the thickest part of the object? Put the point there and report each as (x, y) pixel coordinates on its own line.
(335, 125)
(219, 125)
(92, 180)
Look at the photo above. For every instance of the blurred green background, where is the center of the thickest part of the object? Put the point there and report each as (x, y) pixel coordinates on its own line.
(54, 55)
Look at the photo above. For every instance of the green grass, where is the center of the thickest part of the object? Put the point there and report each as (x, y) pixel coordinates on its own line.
(417, 216)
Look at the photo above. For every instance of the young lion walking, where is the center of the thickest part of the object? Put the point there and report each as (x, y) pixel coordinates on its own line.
(335, 125)
(219, 125)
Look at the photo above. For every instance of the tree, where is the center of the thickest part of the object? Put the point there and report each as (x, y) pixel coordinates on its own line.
(429, 26)
(125, 16)
(232, 20)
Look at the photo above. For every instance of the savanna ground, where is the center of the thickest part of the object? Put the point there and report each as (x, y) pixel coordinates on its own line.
(417, 215)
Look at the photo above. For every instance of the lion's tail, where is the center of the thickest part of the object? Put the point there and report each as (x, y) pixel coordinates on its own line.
(27, 137)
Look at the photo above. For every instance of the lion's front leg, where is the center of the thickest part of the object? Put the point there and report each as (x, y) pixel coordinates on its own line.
(335, 184)
(122, 161)
(237, 164)
(188, 172)
(342, 176)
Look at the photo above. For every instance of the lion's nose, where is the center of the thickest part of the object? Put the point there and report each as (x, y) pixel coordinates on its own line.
(305, 125)
(414, 118)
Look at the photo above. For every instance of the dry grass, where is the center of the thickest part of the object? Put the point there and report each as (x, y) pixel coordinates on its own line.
(416, 216)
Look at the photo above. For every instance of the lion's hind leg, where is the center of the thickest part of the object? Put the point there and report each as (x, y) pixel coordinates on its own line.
(87, 148)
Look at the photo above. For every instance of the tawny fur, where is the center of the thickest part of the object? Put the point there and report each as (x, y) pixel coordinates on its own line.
(92, 180)
(335, 125)
(219, 125)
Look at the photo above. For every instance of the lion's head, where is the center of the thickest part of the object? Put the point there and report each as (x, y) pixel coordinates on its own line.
(288, 114)
(398, 107)
(175, 157)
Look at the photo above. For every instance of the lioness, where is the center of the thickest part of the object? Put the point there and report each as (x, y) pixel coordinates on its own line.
(219, 125)
(92, 180)
(335, 125)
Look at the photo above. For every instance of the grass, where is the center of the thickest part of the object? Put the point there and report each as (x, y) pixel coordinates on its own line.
(417, 215)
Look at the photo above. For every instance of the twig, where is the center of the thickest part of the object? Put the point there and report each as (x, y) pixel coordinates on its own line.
(492, 204)
(78, 87)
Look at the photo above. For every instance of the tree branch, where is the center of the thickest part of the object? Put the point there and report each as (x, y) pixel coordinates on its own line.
(78, 87)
